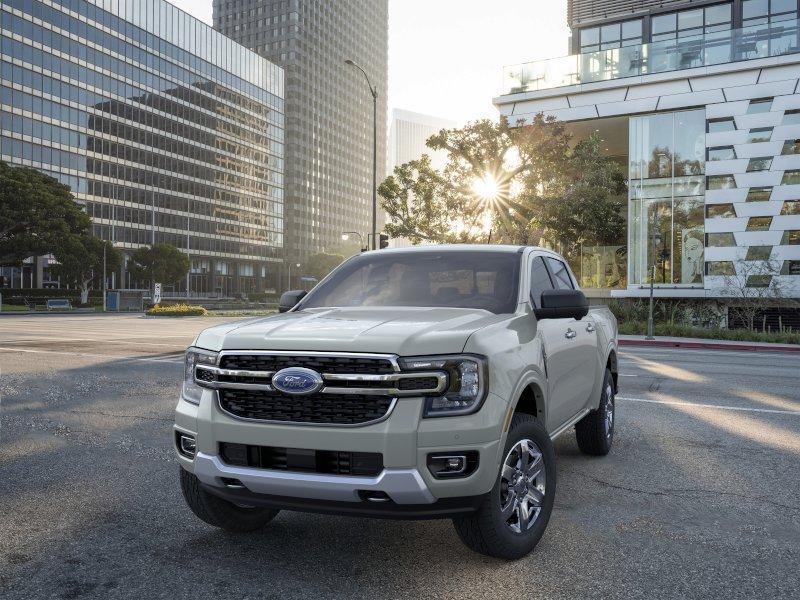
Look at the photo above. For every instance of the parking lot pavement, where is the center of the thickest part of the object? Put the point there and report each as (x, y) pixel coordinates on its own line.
(698, 498)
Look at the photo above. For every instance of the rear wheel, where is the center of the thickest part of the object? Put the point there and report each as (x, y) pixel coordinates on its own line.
(221, 513)
(595, 432)
(513, 516)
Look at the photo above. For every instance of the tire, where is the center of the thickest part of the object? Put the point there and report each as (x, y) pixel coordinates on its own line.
(488, 531)
(595, 431)
(221, 513)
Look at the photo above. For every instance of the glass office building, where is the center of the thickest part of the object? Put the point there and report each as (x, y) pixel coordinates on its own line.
(165, 130)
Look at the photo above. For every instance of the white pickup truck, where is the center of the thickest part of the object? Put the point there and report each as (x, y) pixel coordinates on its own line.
(416, 383)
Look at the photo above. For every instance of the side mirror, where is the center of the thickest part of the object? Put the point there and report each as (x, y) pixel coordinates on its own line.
(290, 299)
(562, 304)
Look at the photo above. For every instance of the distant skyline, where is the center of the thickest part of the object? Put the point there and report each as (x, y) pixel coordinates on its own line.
(446, 56)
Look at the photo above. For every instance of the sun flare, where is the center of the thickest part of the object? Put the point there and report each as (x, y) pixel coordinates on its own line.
(486, 187)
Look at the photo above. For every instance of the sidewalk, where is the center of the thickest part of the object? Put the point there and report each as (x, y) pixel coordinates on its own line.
(708, 344)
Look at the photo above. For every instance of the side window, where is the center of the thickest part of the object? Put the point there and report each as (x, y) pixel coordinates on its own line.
(560, 273)
(540, 281)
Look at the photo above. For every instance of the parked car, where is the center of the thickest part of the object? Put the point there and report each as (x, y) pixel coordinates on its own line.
(418, 383)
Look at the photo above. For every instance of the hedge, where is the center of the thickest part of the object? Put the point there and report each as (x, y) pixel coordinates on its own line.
(177, 310)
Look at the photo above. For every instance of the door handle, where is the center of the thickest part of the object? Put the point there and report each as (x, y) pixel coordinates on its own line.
(590, 327)
(570, 334)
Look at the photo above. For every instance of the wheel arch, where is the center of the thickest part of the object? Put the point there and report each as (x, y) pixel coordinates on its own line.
(612, 365)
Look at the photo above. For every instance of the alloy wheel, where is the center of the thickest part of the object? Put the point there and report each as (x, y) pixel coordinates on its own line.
(522, 485)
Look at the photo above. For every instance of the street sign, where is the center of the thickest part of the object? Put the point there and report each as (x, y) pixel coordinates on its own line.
(157, 293)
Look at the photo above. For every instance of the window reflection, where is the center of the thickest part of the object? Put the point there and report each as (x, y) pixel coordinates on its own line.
(666, 206)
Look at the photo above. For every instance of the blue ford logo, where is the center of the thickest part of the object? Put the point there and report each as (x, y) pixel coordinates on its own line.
(297, 380)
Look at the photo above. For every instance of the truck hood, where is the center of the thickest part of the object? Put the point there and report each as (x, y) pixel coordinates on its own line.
(405, 331)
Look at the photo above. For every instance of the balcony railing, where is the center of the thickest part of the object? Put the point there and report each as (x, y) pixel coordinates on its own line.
(747, 43)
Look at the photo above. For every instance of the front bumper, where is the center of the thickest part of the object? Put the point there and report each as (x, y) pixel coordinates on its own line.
(404, 439)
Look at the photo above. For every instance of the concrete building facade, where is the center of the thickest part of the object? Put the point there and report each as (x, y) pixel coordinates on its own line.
(701, 103)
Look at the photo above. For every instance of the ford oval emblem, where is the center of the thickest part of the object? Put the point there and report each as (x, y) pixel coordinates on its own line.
(297, 380)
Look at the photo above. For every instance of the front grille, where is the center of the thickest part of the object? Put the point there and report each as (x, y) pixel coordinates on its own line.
(333, 409)
(418, 383)
(329, 462)
(321, 364)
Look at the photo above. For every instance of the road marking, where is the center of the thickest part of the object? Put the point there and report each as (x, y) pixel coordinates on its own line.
(108, 356)
(718, 406)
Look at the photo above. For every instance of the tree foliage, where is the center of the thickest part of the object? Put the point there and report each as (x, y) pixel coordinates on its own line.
(80, 262)
(524, 182)
(159, 263)
(37, 214)
(319, 265)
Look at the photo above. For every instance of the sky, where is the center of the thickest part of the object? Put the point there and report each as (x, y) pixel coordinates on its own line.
(446, 57)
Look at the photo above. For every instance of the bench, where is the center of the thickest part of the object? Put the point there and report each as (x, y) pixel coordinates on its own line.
(59, 304)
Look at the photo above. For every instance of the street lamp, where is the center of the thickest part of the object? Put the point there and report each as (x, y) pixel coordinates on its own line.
(346, 236)
(374, 93)
(290, 273)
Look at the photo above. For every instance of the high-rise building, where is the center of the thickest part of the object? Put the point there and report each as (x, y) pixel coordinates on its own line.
(328, 187)
(164, 129)
(699, 100)
(407, 136)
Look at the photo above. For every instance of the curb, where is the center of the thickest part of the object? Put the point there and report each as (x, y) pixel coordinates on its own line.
(712, 345)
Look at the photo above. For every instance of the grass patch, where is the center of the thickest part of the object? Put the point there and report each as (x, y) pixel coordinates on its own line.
(177, 310)
(738, 335)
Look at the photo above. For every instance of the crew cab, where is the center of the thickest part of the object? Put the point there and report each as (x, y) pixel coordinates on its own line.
(425, 382)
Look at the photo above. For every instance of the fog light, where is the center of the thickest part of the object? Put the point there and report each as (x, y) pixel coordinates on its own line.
(453, 464)
(187, 445)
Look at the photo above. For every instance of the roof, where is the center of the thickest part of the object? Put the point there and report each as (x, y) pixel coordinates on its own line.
(456, 248)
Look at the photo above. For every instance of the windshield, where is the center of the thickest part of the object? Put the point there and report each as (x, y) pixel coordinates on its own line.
(456, 279)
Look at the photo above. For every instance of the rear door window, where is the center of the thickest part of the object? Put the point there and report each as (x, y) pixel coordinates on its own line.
(540, 281)
(560, 273)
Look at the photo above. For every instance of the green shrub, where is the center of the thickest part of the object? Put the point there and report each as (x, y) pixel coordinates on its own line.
(177, 310)
(739, 335)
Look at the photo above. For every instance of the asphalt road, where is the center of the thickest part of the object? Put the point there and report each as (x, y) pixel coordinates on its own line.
(699, 498)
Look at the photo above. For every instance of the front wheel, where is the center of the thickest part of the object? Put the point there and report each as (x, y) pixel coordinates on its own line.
(513, 516)
(221, 513)
(595, 431)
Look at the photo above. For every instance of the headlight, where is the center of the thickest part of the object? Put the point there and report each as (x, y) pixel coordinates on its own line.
(467, 383)
(194, 356)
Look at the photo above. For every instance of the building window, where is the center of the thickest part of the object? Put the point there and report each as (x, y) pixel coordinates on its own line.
(720, 182)
(759, 134)
(720, 210)
(759, 281)
(690, 23)
(666, 219)
(791, 207)
(791, 238)
(759, 194)
(759, 223)
(721, 153)
(790, 267)
(758, 12)
(720, 268)
(758, 253)
(762, 163)
(791, 117)
(791, 177)
(720, 125)
(791, 147)
(759, 106)
(720, 240)
(612, 35)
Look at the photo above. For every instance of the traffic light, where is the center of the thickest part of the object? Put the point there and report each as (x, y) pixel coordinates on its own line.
(383, 241)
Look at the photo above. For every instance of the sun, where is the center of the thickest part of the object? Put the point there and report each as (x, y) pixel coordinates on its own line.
(486, 187)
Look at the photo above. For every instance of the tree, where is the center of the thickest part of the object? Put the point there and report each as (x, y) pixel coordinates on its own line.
(754, 287)
(161, 263)
(37, 213)
(319, 265)
(587, 207)
(80, 262)
(523, 182)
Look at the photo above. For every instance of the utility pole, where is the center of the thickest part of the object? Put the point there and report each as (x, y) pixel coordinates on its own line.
(105, 287)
